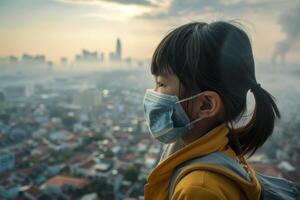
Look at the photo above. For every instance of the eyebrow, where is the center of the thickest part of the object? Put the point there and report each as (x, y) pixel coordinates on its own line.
(162, 79)
(164, 76)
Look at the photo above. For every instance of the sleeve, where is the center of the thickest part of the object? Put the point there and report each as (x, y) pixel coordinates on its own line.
(195, 193)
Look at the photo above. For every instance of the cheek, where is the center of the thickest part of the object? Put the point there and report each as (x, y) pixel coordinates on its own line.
(173, 89)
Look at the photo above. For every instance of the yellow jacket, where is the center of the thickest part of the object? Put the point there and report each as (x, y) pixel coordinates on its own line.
(201, 184)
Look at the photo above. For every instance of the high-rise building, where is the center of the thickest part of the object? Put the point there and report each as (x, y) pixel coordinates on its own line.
(118, 50)
(88, 56)
(117, 55)
(13, 59)
(29, 59)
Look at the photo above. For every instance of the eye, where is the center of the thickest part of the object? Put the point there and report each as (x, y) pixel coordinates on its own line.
(160, 84)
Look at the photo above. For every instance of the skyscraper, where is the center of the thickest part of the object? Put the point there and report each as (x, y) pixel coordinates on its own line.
(118, 50)
(117, 55)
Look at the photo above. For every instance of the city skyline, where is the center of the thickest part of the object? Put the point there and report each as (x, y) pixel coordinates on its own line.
(86, 56)
(61, 28)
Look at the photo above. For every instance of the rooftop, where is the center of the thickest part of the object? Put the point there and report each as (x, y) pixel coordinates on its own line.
(59, 181)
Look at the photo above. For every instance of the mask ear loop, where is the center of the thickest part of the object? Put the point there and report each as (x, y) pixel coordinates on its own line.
(189, 98)
(191, 124)
(196, 120)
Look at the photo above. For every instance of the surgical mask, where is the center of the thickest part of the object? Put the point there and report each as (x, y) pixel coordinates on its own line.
(166, 119)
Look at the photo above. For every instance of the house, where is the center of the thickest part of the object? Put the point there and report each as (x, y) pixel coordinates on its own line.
(7, 161)
(33, 193)
(40, 150)
(93, 168)
(92, 196)
(60, 184)
(267, 169)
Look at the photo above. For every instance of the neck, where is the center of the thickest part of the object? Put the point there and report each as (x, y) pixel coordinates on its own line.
(198, 131)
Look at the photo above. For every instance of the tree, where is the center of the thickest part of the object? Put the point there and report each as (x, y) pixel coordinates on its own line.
(4, 117)
(2, 97)
(131, 174)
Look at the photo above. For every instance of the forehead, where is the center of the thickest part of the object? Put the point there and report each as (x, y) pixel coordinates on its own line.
(166, 76)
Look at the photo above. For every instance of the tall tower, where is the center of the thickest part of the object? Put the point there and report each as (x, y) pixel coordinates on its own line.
(118, 50)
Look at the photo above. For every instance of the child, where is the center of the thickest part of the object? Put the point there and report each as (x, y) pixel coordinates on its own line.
(203, 73)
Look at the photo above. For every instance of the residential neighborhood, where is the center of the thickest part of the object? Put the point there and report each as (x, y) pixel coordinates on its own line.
(83, 136)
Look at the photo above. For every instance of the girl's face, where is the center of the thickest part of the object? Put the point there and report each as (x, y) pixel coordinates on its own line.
(169, 84)
(209, 105)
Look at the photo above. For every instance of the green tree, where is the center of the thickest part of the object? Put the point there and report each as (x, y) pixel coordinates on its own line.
(4, 117)
(131, 174)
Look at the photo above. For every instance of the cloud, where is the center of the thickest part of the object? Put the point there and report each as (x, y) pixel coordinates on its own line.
(289, 22)
(124, 2)
(135, 2)
(113, 10)
(180, 8)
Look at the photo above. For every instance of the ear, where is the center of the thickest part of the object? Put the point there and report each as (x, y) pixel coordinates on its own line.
(210, 104)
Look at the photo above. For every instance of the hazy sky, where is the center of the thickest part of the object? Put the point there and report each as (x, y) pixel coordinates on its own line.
(59, 28)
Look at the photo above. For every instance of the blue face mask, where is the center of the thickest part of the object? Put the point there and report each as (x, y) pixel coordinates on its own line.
(165, 117)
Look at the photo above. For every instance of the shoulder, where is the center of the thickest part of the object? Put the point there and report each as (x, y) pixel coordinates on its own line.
(205, 185)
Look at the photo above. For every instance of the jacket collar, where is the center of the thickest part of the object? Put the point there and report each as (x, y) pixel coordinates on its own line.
(214, 140)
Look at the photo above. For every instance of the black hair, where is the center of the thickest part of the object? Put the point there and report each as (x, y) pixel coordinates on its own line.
(218, 57)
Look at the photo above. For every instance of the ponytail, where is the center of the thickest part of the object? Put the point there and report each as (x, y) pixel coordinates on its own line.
(260, 127)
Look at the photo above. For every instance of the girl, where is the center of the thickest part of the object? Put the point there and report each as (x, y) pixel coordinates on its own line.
(203, 73)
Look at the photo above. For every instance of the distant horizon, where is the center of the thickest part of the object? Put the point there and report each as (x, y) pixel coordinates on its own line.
(62, 28)
(99, 57)
(72, 58)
